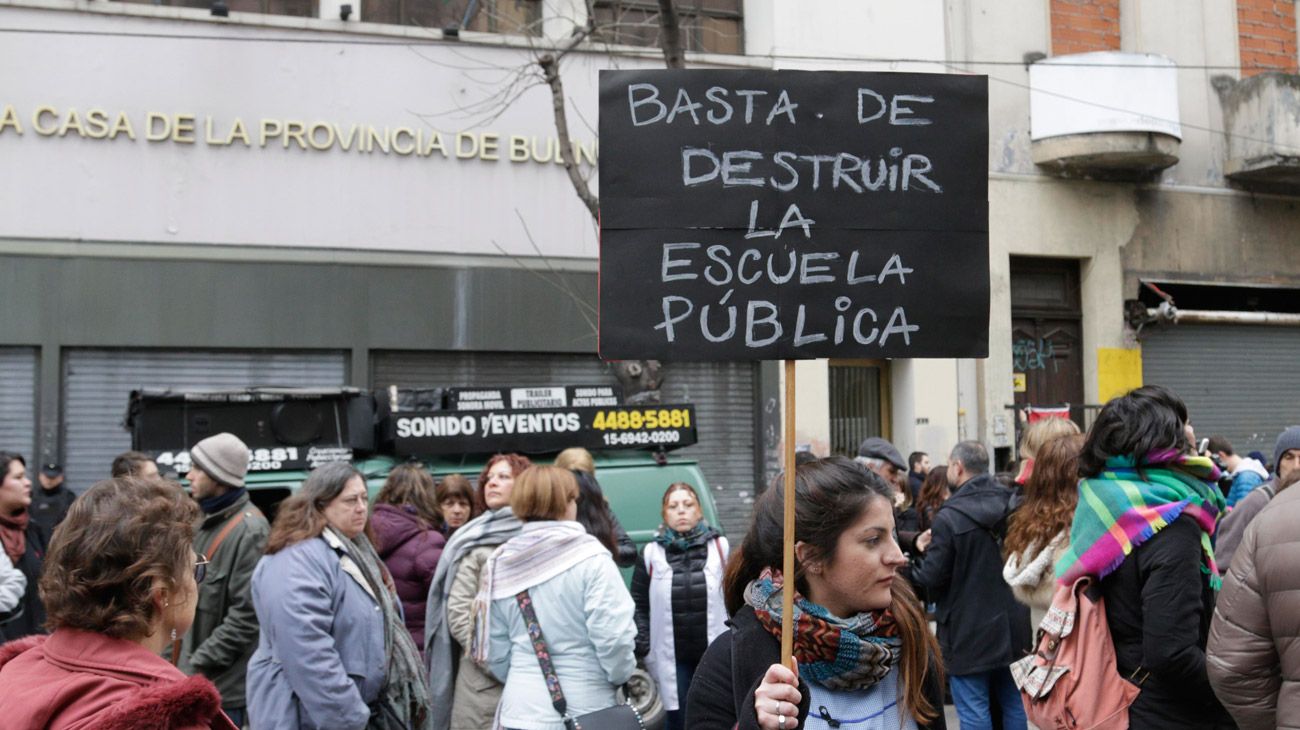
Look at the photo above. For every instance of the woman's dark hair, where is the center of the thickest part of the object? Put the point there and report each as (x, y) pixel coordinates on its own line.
(457, 487)
(302, 515)
(7, 458)
(1051, 495)
(518, 463)
(118, 538)
(412, 485)
(934, 492)
(593, 511)
(830, 496)
(1145, 420)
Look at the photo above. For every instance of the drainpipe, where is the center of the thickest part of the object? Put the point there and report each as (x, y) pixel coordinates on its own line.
(1207, 316)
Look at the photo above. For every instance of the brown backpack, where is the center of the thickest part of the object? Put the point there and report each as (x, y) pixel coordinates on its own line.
(1071, 681)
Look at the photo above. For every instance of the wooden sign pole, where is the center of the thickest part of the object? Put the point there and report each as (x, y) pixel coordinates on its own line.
(787, 558)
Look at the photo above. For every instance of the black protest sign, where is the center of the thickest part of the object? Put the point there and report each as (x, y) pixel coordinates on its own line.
(756, 215)
(543, 430)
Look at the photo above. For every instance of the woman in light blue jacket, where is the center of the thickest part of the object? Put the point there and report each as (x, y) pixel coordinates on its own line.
(583, 608)
(333, 651)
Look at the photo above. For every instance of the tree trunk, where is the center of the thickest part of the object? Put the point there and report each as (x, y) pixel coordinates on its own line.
(671, 35)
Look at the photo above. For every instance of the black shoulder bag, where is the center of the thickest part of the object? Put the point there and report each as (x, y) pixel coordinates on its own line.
(618, 717)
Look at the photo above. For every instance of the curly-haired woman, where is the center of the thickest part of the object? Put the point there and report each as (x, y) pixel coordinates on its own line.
(1038, 532)
(120, 584)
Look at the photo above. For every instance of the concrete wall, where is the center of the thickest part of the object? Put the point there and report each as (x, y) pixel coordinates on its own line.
(1193, 33)
(282, 136)
(1061, 219)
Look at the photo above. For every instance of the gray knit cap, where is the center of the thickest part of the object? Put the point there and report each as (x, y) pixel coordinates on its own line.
(1287, 440)
(223, 457)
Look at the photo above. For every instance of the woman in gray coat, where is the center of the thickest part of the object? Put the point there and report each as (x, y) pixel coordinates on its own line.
(333, 652)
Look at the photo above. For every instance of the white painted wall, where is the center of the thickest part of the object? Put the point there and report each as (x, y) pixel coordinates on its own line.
(66, 187)
(1192, 33)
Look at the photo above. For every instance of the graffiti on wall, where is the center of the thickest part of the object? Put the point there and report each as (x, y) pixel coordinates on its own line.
(1033, 353)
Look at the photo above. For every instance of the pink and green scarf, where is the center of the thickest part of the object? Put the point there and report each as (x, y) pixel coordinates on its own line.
(1129, 502)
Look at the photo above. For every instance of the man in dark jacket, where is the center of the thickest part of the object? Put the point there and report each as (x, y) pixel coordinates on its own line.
(50, 503)
(982, 629)
(918, 466)
(232, 535)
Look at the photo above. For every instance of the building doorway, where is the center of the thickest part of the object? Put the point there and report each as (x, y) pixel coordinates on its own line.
(859, 403)
(1047, 334)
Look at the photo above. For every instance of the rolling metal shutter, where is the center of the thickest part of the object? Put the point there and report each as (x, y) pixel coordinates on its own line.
(18, 402)
(1238, 381)
(723, 395)
(96, 384)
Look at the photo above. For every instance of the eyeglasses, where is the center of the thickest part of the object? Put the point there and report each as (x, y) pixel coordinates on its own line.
(200, 569)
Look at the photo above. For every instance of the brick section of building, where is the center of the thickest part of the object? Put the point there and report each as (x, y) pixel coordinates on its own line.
(1266, 36)
(1080, 26)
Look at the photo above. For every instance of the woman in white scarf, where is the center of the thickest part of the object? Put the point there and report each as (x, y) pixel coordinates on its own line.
(581, 604)
(1039, 530)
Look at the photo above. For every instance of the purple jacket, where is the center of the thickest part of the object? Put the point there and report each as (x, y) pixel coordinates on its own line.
(411, 552)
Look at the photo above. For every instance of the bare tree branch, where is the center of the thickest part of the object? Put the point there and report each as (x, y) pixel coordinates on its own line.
(671, 37)
(551, 69)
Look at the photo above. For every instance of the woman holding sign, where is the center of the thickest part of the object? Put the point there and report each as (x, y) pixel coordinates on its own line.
(865, 656)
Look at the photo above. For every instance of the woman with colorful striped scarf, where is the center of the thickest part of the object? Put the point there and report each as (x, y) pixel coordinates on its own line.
(1144, 526)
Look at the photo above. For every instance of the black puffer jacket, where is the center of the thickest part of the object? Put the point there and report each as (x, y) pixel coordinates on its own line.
(981, 625)
(722, 691)
(690, 603)
(626, 554)
(29, 618)
(1159, 605)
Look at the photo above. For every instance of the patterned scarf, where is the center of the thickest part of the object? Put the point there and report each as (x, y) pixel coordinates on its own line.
(838, 654)
(405, 682)
(491, 528)
(1129, 502)
(679, 541)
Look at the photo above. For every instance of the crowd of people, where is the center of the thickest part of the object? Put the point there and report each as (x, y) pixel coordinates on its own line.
(499, 603)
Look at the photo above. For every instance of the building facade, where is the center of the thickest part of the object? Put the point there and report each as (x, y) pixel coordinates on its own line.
(276, 192)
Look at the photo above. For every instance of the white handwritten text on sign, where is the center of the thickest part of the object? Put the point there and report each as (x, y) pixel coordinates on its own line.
(759, 215)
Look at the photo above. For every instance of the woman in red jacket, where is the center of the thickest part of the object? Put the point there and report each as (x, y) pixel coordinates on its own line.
(120, 584)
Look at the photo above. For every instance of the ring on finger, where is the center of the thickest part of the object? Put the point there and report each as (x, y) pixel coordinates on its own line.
(780, 720)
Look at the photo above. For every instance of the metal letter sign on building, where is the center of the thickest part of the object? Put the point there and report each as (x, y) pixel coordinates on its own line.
(762, 215)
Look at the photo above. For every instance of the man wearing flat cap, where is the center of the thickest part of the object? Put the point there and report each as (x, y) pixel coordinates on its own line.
(880, 456)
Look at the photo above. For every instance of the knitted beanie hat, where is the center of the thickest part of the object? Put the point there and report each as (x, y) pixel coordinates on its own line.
(223, 457)
(1287, 440)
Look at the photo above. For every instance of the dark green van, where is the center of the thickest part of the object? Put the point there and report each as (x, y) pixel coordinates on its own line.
(633, 482)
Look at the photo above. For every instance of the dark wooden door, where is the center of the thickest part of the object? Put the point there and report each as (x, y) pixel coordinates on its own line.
(1047, 332)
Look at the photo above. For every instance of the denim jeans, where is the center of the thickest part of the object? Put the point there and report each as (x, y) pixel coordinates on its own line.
(971, 693)
(676, 719)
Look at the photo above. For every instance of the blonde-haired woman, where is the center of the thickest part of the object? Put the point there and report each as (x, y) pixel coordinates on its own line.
(555, 582)
(1036, 435)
